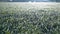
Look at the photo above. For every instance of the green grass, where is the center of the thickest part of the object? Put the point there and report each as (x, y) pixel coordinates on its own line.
(20, 18)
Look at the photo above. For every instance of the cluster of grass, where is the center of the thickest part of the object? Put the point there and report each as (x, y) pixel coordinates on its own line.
(15, 20)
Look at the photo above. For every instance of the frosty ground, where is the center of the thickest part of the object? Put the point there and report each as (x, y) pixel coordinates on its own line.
(29, 18)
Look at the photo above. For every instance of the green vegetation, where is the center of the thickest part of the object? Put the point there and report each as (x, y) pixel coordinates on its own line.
(29, 19)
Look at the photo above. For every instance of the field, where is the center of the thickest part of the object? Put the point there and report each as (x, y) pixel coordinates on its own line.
(29, 18)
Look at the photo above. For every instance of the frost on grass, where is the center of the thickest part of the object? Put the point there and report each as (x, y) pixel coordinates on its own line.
(17, 19)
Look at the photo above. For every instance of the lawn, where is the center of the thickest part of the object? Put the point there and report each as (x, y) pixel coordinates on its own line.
(29, 18)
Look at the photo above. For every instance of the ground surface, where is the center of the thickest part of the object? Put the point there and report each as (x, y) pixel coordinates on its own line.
(29, 18)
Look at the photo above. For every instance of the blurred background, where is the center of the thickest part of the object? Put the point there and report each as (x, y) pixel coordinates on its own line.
(29, 0)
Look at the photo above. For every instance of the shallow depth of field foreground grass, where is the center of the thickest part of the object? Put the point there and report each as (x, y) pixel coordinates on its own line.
(29, 18)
